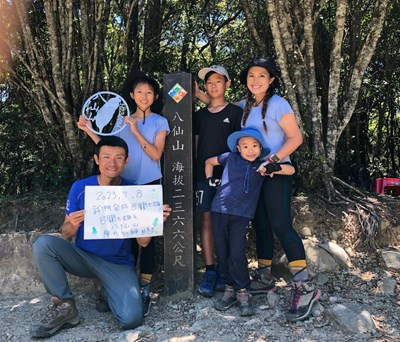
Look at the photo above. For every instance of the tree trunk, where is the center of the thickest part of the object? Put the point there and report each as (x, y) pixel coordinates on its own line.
(294, 28)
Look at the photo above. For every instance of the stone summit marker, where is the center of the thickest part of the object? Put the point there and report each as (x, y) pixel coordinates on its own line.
(179, 252)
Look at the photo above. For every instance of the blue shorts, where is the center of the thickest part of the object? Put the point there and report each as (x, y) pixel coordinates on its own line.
(204, 196)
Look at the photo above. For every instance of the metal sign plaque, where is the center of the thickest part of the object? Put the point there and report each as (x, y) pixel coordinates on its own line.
(105, 110)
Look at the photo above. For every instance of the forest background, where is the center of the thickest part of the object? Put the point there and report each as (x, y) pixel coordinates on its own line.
(339, 63)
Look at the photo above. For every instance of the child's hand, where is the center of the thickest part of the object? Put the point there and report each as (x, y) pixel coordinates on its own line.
(214, 182)
(84, 124)
(132, 122)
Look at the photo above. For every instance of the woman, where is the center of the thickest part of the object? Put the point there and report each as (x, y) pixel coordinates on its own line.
(274, 118)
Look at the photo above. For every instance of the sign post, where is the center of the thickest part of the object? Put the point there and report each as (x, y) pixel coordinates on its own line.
(179, 235)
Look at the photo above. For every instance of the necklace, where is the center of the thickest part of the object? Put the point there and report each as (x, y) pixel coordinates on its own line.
(144, 113)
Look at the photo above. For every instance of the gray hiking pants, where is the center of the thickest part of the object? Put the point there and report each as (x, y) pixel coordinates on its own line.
(120, 287)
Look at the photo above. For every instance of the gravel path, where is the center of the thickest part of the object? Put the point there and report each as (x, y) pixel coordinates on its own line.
(195, 319)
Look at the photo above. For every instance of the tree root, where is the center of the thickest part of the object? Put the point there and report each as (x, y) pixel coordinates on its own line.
(368, 217)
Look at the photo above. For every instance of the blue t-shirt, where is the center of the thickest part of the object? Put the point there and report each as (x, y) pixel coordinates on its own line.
(276, 109)
(240, 186)
(117, 251)
(141, 169)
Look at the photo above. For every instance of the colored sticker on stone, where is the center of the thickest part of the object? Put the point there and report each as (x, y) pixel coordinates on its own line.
(177, 93)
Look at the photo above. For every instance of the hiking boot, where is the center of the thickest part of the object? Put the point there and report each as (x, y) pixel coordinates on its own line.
(263, 281)
(302, 298)
(207, 284)
(61, 314)
(220, 284)
(227, 300)
(146, 299)
(244, 301)
(100, 303)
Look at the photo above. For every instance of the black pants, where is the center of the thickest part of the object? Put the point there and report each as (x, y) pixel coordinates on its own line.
(148, 253)
(230, 246)
(273, 216)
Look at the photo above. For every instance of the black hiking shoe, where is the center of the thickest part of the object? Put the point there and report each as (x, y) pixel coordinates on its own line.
(100, 303)
(263, 281)
(61, 314)
(146, 299)
(227, 300)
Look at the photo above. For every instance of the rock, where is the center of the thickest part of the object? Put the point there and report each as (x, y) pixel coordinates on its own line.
(351, 321)
(321, 279)
(18, 273)
(338, 253)
(272, 299)
(387, 286)
(306, 231)
(391, 259)
(136, 335)
(319, 260)
(317, 309)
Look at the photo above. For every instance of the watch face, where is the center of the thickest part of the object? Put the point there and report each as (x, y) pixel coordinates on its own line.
(274, 158)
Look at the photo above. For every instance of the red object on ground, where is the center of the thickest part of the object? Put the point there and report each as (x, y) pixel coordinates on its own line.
(383, 185)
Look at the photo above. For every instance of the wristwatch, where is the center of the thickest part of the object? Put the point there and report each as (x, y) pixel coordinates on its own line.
(273, 158)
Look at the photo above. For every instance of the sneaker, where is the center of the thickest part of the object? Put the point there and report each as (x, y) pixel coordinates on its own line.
(227, 300)
(146, 299)
(61, 314)
(100, 303)
(263, 281)
(302, 298)
(207, 284)
(220, 285)
(244, 301)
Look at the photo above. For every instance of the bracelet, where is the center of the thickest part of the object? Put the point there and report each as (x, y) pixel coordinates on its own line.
(144, 145)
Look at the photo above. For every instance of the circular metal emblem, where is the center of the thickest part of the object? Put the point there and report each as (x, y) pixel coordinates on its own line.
(105, 110)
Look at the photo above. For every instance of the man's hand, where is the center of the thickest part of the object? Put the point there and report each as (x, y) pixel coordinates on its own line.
(72, 223)
(214, 182)
(166, 211)
(76, 218)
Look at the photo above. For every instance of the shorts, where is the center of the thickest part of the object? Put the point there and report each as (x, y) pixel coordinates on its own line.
(204, 196)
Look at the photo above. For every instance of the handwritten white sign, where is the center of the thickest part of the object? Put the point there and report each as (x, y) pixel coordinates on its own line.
(123, 212)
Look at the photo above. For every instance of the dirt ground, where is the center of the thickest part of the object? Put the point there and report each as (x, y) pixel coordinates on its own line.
(362, 233)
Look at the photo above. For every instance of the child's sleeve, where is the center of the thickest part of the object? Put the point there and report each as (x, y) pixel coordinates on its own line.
(223, 158)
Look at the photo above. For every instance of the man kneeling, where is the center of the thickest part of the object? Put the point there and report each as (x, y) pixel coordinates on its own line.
(109, 261)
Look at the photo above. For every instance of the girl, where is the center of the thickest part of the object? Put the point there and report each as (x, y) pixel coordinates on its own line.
(145, 133)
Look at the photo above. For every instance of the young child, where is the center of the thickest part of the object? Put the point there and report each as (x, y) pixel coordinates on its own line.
(234, 206)
(145, 134)
(212, 126)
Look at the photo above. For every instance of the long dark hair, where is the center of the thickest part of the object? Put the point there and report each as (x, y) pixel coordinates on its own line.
(133, 76)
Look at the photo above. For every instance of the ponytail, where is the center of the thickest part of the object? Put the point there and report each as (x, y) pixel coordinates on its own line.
(247, 107)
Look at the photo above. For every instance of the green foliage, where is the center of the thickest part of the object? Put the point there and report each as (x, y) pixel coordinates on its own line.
(29, 161)
(189, 36)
